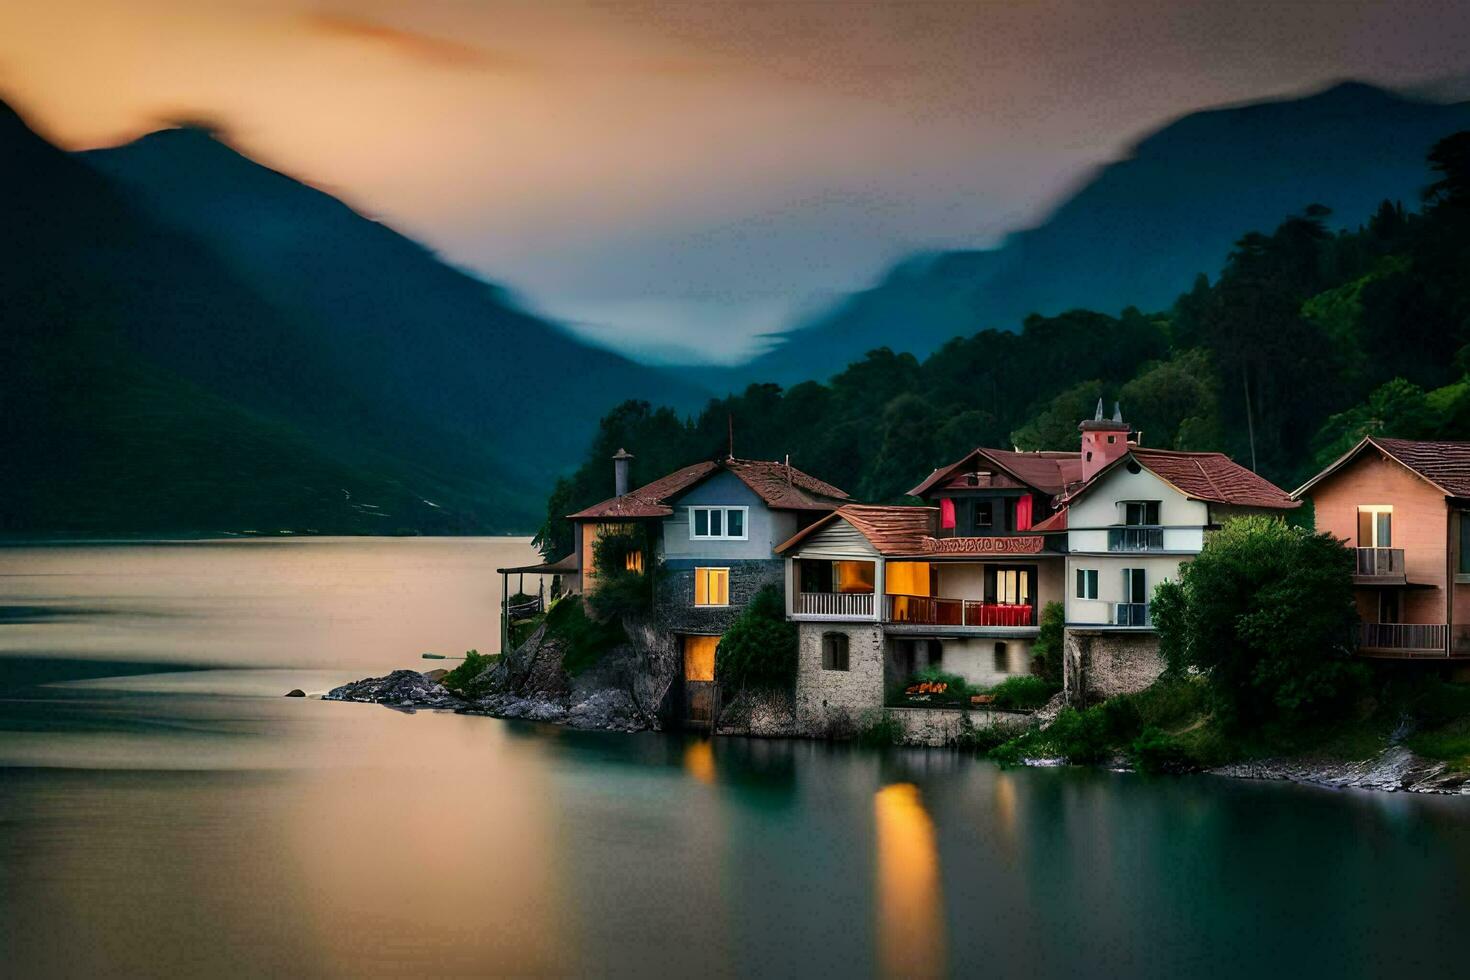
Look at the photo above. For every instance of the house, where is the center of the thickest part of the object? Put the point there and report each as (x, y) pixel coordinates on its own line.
(1402, 506)
(710, 529)
(880, 593)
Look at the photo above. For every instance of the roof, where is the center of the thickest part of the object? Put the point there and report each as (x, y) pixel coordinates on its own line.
(1049, 472)
(1211, 477)
(779, 485)
(1054, 523)
(1444, 465)
(561, 566)
(890, 530)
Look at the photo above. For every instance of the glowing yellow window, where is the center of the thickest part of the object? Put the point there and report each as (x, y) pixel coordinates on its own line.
(699, 657)
(633, 561)
(711, 586)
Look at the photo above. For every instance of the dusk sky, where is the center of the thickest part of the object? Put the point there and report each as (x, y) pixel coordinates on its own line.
(675, 178)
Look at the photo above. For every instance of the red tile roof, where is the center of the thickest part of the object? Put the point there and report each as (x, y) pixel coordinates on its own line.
(890, 530)
(1049, 472)
(782, 487)
(1056, 522)
(1212, 477)
(1445, 465)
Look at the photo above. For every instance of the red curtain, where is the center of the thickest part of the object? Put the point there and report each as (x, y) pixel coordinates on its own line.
(946, 514)
(1023, 513)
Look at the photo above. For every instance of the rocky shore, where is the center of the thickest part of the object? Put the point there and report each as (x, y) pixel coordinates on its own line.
(1396, 770)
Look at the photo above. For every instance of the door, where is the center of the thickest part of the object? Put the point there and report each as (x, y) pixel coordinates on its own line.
(699, 680)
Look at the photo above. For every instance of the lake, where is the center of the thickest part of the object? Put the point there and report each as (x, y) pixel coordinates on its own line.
(164, 811)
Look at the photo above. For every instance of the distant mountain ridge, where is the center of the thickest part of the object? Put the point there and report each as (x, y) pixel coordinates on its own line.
(155, 377)
(1139, 230)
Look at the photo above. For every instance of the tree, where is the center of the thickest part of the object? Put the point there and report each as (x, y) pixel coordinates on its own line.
(1048, 650)
(759, 649)
(1266, 614)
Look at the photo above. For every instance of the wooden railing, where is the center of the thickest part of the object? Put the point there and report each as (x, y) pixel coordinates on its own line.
(1130, 614)
(933, 611)
(1418, 637)
(1381, 562)
(855, 604)
(1135, 538)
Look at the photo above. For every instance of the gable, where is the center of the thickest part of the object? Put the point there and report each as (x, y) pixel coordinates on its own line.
(721, 489)
(836, 539)
(1099, 506)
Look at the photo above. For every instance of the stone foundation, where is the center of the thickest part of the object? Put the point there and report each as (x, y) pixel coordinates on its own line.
(937, 727)
(1100, 664)
(833, 703)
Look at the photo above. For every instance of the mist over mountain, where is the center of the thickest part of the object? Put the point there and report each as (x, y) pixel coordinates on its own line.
(1138, 231)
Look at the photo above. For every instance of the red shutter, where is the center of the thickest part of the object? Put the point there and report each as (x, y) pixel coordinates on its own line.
(1023, 513)
(946, 513)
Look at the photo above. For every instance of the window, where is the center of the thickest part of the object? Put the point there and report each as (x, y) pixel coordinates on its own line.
(1464, 543)
(1135, 588)
(1087, 583)
(1375, 526)
(1001, 661)
(1112, 440)
(717, 523)
(1141, 513)
(633, 561)
(1388, 606)
(1013, 586)
(834, 651)
(711, 586)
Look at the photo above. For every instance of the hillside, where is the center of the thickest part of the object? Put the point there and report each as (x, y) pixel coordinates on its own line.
(243, 425)
(403, 327)
(1141, 229)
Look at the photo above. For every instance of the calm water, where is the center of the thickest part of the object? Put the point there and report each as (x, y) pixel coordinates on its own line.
(164, 811)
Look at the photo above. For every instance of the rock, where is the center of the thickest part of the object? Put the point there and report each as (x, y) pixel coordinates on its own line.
(436, 675)
(402, 688)
(296, 692)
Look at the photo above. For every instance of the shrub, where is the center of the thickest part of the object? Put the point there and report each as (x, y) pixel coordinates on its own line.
(620, 591)
(585, 639)
(1265, 613)
(1156, 751)
(1047, 651)
(759, 648)
(465, 679)
(1024, 692)
(983, 739)
(884, 731)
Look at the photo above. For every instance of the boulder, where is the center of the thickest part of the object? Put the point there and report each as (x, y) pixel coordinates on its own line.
(402, 688)
(296, 692)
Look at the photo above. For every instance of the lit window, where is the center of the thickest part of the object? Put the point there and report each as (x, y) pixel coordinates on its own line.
(717, 523)
(1375, 526)
(711, 586)
(633, 561)
(1087, 583)
(834, 651)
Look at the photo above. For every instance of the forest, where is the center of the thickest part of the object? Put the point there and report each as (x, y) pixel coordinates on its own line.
(1307, 340)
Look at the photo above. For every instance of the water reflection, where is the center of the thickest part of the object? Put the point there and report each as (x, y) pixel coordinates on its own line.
(911, 938)
(699, 760)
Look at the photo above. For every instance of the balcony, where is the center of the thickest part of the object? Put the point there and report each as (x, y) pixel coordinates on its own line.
(1380, 566)
(837, 605)
(1130, 614)
(1136, 538)
(916, 610)
(1403, 639)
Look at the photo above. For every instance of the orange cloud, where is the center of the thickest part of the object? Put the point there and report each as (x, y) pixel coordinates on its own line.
(411, 44)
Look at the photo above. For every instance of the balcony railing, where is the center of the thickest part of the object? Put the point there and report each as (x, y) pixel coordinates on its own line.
(1130, 614)
(1410, 638)
(1381, 563)
(858, 605)
(1135, 538)
(931, 611)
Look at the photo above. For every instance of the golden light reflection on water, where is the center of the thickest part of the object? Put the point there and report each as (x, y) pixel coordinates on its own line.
(699, 760)
(1005, 807)
(911, 933)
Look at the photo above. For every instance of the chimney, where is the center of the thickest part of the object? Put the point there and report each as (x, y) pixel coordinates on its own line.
(620, 472)
(1103, 440)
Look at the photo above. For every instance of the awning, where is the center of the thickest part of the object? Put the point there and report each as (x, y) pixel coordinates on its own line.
(561, 566)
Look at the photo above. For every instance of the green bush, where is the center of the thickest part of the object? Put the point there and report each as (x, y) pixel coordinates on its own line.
(983, 739)
(759, 649)
(883, 732)
(586, 639)
(465, 679)
(620, 591)
(1156, 751)
(1265, 614)
(1024, 692)
(1047, 651)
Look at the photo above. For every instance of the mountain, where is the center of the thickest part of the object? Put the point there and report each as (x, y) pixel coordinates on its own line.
(1138, 231)
(403, 327)
(148, 383)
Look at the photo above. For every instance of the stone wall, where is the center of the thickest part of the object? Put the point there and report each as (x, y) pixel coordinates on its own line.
(1100, 664)
(674, 605)
(943, 726)
(765, 714)
(836, 702)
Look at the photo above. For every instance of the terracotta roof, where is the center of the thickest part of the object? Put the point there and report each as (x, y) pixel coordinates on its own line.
(890, 530)
(1445, 465)
(780, 486)
(1049, 472)
(1212, 477)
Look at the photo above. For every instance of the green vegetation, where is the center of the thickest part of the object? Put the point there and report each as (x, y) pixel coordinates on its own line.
(624, 587)
(883, 731)
(1265, 615)
(1048, 650)
(759, 649)
(1306, 341)
(466, 679)
(586, 639)
(1024, 692)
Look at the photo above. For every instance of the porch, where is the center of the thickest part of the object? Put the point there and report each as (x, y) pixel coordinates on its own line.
(919, 610)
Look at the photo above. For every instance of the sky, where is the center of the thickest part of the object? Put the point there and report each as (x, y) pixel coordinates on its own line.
(678, 178)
